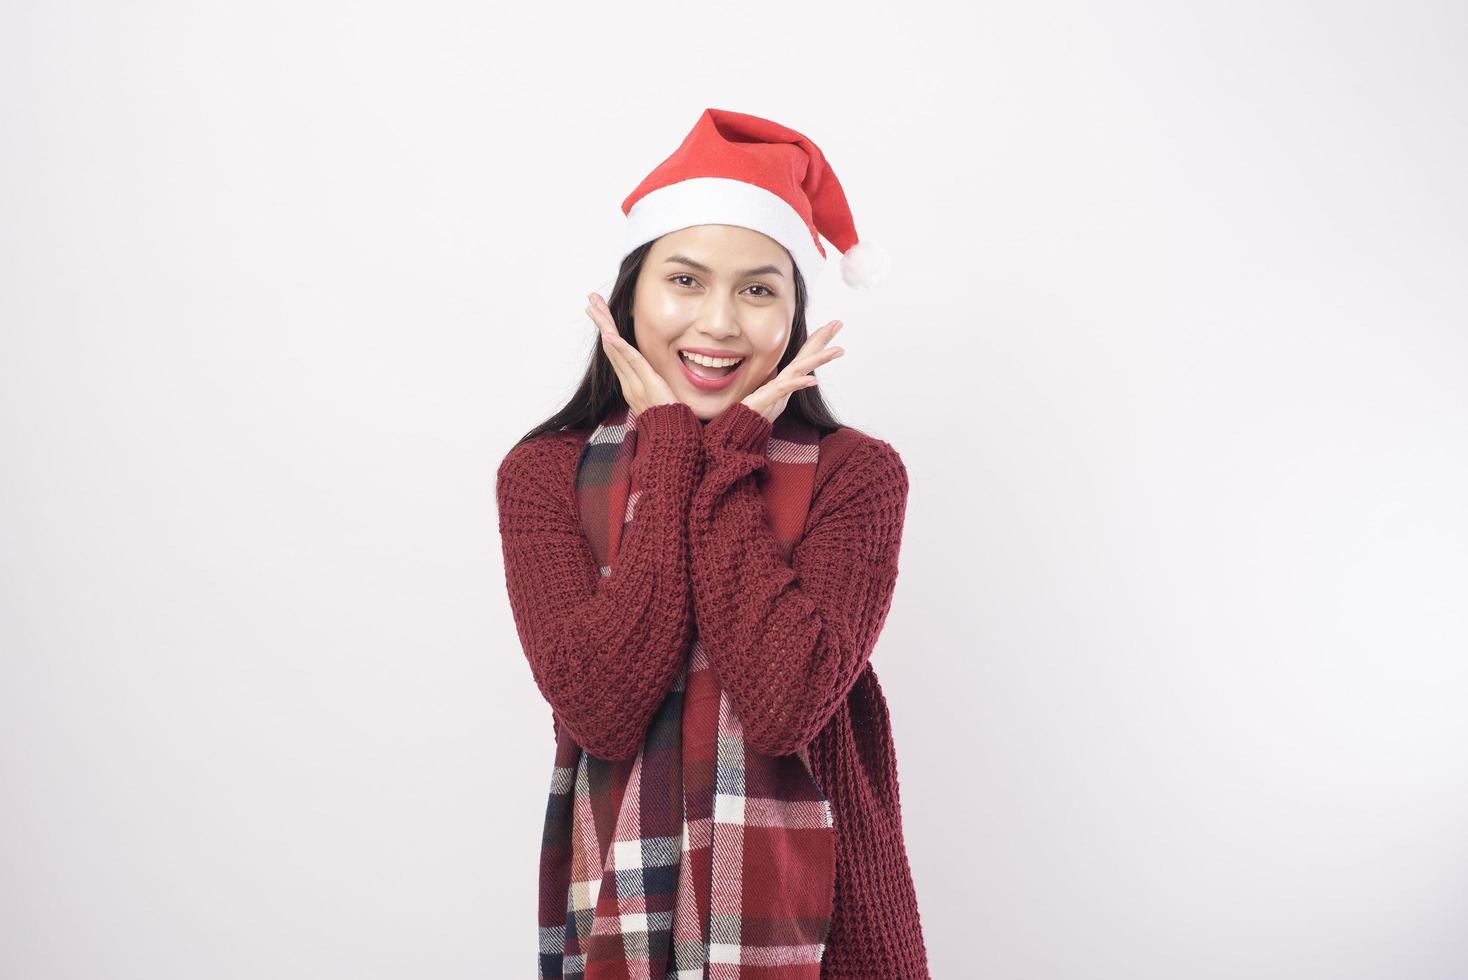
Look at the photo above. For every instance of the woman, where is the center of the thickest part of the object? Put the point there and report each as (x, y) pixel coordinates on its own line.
(699, 560)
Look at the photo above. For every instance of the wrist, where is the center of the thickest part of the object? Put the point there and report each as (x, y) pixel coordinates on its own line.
(667, 420)
(669, 439)
(740, 427)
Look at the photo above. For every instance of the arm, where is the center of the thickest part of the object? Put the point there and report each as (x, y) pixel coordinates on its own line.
(789, 642)
(603, 650)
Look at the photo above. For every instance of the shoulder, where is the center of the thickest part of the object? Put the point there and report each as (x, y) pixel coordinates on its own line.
(539, 468)
(854, 463)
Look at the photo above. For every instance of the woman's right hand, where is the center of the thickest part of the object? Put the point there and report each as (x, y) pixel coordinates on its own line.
(642, 386)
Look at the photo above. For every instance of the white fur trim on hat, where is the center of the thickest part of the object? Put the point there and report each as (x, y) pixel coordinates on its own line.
(724, 201)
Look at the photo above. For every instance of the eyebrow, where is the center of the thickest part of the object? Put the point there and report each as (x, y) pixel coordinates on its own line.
(764, 270)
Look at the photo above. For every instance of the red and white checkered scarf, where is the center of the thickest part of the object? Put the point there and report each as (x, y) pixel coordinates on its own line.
(699, 857)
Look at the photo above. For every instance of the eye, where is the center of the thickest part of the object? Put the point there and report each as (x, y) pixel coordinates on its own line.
(768, 292)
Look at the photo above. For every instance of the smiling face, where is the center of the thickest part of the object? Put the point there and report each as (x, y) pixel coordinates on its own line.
(719, 290)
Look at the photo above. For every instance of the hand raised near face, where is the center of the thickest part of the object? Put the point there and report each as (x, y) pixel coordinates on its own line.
(642, 386)
(770, 398)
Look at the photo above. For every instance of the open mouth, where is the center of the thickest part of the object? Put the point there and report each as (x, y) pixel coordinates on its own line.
(709, 372)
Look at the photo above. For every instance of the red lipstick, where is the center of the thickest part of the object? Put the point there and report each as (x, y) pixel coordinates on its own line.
(710, 384)
(712, 352)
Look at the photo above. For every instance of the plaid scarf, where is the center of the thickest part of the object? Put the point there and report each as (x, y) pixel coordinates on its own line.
(699, 858)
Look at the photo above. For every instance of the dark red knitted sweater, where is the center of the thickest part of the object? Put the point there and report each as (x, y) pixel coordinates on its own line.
(790, 645)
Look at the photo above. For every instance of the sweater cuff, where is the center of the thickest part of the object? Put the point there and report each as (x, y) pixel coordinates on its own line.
(739, 427)
(669, 439)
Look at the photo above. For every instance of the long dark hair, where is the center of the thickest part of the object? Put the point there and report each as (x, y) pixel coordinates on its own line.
(600, 391)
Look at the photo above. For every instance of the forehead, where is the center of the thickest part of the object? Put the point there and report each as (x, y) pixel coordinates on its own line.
(723, 248)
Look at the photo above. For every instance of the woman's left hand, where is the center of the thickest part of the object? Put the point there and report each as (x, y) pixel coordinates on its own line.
(770, 398)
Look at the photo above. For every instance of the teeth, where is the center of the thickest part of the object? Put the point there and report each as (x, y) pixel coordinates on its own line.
(711, 361)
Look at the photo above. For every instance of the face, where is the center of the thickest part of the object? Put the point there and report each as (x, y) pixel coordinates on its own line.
(720, 290)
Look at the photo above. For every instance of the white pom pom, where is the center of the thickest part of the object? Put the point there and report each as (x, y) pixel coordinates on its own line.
(864, 264)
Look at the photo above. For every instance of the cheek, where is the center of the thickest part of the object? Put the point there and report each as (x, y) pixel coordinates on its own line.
(766, 366)
(663, 361)
(653, 341)
(664, 305)
(768, 357)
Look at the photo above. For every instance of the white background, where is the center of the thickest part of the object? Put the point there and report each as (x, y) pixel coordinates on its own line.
(1173, 348)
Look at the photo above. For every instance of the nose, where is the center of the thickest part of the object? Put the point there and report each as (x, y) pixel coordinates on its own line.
(721, 317)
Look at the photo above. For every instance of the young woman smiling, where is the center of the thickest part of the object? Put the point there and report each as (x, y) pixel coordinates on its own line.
(699, 559)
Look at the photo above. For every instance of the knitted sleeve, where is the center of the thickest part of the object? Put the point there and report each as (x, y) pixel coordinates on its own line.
(788, 640)
(603, 649)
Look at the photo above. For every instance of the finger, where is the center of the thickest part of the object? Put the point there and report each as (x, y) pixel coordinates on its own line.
(624, 371)
(820, 338)
(605, 311)
(782, 387)
(619, 364)
(804, 381)
(633, 357)
(629, 358)
(809, 362)
(601, 316)
(606, 333)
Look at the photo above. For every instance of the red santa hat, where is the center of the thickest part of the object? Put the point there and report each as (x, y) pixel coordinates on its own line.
(738, 169)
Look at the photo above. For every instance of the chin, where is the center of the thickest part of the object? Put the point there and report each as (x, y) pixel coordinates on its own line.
(706, 405)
